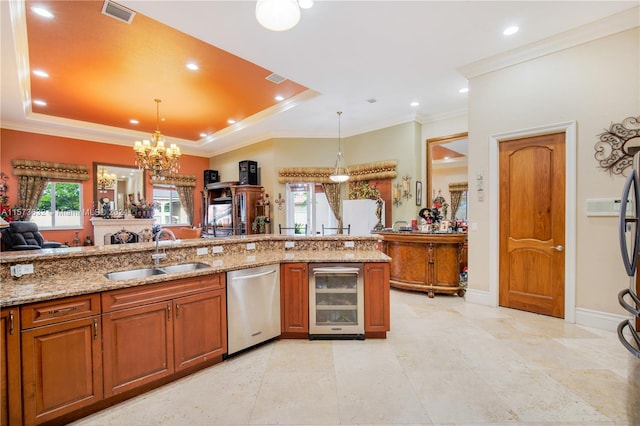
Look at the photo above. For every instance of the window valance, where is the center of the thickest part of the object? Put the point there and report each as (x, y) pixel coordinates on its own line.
(176, 180)
(458, 186)
(50, 170)
(359, 172)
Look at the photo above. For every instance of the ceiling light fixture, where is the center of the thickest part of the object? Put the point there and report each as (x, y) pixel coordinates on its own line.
(105, 179)
(157, 158)
(511, 30)
(277, 15)
(39, 102)
(341, 174)
(463, 90)
(41, 73)
(42, 12)
(193, 66)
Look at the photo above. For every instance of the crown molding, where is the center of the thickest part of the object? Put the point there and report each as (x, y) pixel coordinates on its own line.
(613, 24)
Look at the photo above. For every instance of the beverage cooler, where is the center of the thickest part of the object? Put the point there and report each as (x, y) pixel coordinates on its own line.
(336, 301)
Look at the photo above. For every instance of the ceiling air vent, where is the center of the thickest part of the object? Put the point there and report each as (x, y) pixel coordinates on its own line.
(275, 78)
(118, 12)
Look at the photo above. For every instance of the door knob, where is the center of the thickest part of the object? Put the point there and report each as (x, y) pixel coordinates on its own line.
(558, 248)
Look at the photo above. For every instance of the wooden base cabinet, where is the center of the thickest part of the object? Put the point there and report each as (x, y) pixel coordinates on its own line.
(376, 300)
(294, 300)
(163, 329)
(10, 386)
(61, 361)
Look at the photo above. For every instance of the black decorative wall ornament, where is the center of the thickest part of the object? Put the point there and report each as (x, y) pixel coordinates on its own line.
(614, 149)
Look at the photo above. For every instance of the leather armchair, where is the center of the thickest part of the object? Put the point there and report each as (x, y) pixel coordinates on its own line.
(25, 236)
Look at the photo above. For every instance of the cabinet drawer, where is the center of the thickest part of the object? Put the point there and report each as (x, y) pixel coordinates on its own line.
(141, 295)
(55, 311)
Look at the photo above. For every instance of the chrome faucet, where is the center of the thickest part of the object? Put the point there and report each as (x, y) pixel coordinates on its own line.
(157, 256)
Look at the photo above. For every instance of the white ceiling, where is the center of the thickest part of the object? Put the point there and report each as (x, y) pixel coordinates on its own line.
(349, 52)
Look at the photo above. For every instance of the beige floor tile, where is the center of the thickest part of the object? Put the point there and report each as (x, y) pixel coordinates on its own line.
(445, 362)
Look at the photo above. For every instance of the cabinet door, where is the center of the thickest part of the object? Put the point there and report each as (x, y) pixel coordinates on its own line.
(200, 328)
(376, 298)
(62, 368)
(294, 299)
(10, 389)
(138, 346)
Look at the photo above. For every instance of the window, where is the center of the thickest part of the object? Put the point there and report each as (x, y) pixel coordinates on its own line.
(307, 205)
(59, 206)
(169, 210)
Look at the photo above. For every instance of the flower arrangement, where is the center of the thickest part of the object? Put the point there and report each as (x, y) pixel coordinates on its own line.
(363, 191)
(259, 224)
(144, 210)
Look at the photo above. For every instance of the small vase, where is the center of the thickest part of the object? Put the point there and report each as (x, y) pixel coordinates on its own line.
(76, 239)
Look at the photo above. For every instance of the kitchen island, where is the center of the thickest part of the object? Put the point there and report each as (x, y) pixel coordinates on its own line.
(75, 341)
(430, 262)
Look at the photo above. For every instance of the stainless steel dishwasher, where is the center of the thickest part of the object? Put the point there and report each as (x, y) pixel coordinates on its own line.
(253, 306)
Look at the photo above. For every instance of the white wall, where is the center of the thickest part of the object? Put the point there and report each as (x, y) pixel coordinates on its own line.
(595, 84)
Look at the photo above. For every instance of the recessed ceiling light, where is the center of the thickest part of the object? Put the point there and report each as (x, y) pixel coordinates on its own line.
(41, 73)
(305, 4)
(279, 98)
(415, 103)
(231, 121)
(193, 66)
(42, 12)
(40, 102)
(511, 30)
(446, 158)
(134, 121)
(203, 135)
(463, 90)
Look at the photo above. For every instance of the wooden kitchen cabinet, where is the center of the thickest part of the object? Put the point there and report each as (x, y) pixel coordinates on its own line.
(246, 198)
(155, 330)
(61, 357)
(10, 386)
(376, 299)
(294, 300)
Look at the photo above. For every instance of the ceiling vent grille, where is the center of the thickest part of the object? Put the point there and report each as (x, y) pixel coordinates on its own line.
(275, 78)
(118, 12)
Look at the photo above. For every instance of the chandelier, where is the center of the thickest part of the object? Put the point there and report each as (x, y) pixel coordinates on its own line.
(340, 174)
(105, 179)
(156, 157)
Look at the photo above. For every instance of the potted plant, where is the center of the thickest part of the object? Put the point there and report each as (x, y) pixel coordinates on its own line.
(259, 224)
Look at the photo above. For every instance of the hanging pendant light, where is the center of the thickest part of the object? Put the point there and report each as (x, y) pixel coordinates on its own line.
(340, 174)
(157, 158)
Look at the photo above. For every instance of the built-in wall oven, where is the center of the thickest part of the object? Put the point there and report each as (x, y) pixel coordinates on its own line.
(336, 300)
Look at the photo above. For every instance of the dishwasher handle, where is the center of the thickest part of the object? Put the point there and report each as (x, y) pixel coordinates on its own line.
(336, 270)
(261, 274)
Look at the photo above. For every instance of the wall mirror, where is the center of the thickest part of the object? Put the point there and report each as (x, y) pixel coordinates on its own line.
(447, 164)
(116, 187)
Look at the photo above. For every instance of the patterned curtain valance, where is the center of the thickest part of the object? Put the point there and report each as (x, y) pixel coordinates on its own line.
(358, 172)
(49, 170)
(458, 186)
(176, 180)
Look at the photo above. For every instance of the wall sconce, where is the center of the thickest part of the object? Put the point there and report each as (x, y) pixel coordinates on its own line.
(397, 193)
(280, 201)
(406, 187)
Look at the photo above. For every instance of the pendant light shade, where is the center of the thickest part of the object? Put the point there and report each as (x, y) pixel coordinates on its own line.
(340, 174)
(277, 15)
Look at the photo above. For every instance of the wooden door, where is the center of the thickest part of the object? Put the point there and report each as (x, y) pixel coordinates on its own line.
(376, 299)
(294, 299)
(138, 346)
(62, 369)
(532, 224)
(10, 389)
(200, 328)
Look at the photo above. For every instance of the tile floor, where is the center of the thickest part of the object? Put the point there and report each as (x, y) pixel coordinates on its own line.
(445, 362)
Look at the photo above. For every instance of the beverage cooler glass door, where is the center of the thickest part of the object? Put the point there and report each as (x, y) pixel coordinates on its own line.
(336, 299)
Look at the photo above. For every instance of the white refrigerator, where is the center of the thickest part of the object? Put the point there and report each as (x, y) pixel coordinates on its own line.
(361, 215)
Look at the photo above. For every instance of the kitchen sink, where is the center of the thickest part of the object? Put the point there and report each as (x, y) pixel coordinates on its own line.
(185, 267)
(134, 273)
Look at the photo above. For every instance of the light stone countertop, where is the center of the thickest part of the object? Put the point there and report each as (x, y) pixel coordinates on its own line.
(84, 275)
